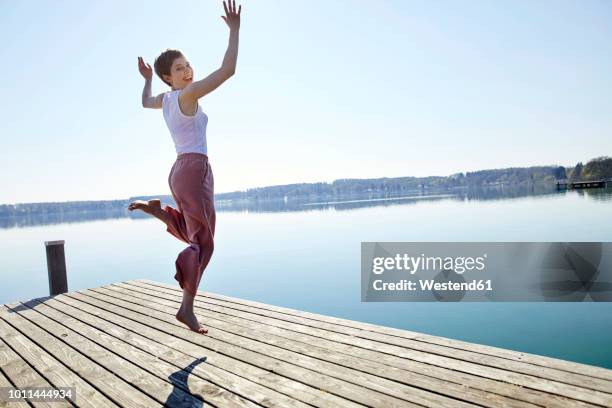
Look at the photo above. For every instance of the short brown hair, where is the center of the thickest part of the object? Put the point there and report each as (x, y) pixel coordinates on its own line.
(163, 63)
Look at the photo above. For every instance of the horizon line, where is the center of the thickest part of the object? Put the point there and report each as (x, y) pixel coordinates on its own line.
(316, 182)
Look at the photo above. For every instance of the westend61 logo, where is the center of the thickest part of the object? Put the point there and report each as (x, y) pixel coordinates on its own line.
(486, 271)
(412, 264)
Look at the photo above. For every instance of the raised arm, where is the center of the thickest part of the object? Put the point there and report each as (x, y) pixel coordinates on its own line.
(198, 89)
(147, 100)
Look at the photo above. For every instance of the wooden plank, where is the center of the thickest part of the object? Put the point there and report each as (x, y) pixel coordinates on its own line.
(500, 373)
(57, 374)
(4, 382)
(293, 357)
(156, 378)
(255, 353)
(481, 391)
(361, 329)
(22, 375)
(459, 393)
(113, 387)
(176, 340)
(210, 374)
(343, 362)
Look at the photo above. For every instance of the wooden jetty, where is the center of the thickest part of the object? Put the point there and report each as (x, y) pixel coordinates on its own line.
(561, 185)
(121, 346)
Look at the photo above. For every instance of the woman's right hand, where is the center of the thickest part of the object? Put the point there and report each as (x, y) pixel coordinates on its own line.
(232, 17)
(145, 69)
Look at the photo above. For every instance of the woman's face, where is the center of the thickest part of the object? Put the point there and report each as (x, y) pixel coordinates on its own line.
(181, 73)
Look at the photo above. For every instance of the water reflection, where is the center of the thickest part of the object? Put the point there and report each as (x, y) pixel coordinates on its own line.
(116, 209)
(305, 254)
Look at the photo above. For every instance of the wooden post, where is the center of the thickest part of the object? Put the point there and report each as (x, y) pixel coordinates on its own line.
(56, 266)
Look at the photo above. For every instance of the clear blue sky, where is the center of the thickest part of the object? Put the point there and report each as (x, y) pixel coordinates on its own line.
(323, 90)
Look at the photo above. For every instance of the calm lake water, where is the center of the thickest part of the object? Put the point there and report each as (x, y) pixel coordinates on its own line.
(308, 257)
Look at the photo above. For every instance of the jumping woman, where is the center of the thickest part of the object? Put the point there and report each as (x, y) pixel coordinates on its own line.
(191, 177)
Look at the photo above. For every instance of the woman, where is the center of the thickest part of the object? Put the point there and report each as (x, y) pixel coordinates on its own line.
(190, 179)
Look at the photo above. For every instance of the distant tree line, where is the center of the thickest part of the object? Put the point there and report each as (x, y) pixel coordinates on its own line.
(403, 185)
(596, 169)
(72, 207)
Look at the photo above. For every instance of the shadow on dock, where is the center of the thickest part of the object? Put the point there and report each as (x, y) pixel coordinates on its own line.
(179, 381)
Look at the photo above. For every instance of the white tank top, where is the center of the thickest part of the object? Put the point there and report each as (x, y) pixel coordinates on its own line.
(188, 132)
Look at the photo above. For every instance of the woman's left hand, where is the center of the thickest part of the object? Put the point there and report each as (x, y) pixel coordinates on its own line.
(232, 18)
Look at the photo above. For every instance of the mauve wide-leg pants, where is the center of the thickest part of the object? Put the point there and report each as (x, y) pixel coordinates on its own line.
(193, 221)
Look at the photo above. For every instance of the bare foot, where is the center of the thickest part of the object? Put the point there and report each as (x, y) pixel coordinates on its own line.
(190, 320)
(152, 207)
